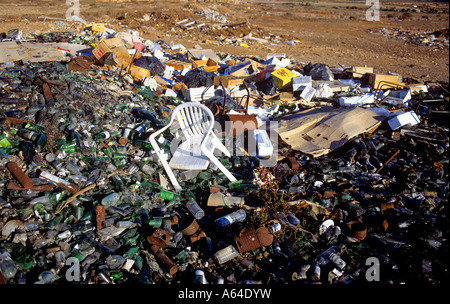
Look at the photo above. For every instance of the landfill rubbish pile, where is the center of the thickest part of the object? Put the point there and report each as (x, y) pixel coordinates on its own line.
(350, 187)
(212, 15)
(435, 40)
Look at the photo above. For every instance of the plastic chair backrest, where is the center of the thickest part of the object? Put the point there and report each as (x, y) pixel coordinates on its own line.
(194, 118)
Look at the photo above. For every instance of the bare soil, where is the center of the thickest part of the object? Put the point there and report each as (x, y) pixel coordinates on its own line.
(332, 32)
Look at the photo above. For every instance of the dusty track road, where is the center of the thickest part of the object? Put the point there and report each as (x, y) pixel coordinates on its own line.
(331, 32)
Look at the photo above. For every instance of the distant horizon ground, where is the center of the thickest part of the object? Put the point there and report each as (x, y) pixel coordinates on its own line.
(332, 32)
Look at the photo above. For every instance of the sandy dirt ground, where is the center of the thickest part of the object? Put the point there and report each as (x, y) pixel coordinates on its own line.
(332, 32)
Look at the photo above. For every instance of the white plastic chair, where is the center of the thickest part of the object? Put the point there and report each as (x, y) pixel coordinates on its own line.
(196, 151)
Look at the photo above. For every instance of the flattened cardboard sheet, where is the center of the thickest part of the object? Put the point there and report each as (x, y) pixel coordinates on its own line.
(321, 130)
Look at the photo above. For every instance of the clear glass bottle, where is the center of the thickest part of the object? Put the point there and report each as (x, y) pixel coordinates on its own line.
(110, 199)
(7, 266)
(46, 277)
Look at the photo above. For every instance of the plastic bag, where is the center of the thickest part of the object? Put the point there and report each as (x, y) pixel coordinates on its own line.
(150, 63)
(319, 71)
(199, 78)
(267, 86)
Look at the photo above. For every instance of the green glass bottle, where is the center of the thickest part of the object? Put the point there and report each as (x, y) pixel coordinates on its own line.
(147, 184)
(155, 221)
(34, 127)
(4, 141)
(169, 196)
(131, 253)
(189, 195)
(103, 135)
(143, 144)
(108, 152)
(25, 262)
(204, 175)
(238, 186)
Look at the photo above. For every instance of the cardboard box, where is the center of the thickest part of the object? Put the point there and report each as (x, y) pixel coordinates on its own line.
(240, 69)
(207, 53)
(238, 94)
(286, 97)
(107, 46)
(209, 65)
(283, 78)
(111, 59)
(98, 27)
(245, 68)
(387, 81)
(139, 73)
(179, 65)
(228, 80)
(359, 72)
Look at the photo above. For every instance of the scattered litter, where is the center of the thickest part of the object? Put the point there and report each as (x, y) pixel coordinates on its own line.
(114, 151)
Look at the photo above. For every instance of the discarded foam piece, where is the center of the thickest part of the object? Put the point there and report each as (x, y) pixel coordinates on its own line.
(299, 83)
(264, 147)
(398, 97)
(357, 100)
(403, 119)
(198, 94)
(308, 93)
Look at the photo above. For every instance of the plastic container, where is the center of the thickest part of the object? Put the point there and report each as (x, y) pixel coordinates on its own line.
(199, 277)
(229, 219)
(195, 209)
(59, 182)
(226, 254)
